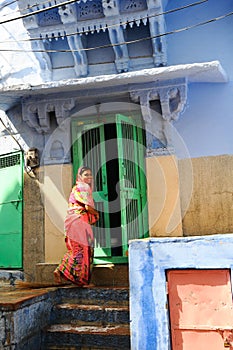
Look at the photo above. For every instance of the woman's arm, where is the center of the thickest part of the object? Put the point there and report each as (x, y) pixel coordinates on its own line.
(92, 211)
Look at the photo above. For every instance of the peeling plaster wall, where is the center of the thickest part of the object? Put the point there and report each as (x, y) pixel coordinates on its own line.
(163, 196)
(209, 207)
(190, 196)
(56, 188)
(45, 199)
(33, 227)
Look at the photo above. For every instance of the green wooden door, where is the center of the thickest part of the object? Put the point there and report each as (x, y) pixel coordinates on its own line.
(97, 145)
(89, 150)
(11, 210)
(134, 218)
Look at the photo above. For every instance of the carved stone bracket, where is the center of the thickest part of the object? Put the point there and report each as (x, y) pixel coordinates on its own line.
(172, 97)
(37, 113)
(172, 100)
(157, 29)
(68, 15)
(50, 119)
(116, 36)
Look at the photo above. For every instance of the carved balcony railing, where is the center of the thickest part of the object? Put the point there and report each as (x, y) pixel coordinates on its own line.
(127, 31)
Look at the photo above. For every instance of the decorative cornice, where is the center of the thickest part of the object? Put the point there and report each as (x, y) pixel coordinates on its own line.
(90, 17)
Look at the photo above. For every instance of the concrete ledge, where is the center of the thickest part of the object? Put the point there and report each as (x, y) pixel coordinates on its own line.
(23, 315)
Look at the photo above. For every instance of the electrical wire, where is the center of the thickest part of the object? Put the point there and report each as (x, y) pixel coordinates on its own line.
(126, 42)
(23, 9)
(62, 4)
(114, 25)
(38, 11)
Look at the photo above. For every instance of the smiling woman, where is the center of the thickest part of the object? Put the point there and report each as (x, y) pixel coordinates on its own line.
(76, 264)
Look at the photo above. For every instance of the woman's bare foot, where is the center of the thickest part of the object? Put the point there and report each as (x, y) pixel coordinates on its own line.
(57, 276)
(91, 285)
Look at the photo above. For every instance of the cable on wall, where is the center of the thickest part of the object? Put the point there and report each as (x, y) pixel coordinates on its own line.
(71, 1)
(127, 42)
(114, 25)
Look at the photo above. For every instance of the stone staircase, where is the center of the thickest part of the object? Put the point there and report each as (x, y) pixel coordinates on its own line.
(89, 318)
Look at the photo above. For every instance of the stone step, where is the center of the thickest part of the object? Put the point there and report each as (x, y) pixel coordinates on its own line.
(94, 295)
(66, 336)
(89, 318)
(78, 314)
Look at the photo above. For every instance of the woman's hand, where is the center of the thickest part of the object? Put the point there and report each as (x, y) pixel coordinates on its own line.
(92, 211)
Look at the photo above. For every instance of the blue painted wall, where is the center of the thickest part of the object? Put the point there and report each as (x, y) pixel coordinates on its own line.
(206, 124)
(148, 262)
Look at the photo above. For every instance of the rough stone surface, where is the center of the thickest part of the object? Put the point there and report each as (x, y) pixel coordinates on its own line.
(206, 195)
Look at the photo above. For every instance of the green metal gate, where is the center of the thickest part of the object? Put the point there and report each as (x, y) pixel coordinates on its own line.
(115, 153)
(11, 210)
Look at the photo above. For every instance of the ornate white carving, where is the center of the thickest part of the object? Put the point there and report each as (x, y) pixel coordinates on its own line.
(94, 16)
(110, 7)
(89, 10)
(132, 5)
(157, 29)
(116, 36)
(36, 113)
(144, 99)
(68, 14)
(121, 51)
(172, 99)
(51, 16)
(79, 55)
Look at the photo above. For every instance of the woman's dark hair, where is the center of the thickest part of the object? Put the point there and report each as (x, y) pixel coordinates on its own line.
(84, 168)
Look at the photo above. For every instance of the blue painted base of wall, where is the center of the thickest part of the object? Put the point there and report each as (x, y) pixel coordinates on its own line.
(149, 260)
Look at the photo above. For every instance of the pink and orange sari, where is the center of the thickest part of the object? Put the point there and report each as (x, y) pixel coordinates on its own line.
(77, 263)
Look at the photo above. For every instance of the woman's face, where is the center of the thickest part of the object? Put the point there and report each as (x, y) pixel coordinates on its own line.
(87, 177)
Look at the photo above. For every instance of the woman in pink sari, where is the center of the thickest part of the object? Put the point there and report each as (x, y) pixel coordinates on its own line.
(76, 265)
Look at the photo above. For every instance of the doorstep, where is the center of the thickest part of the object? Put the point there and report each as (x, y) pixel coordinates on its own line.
(103, 275)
